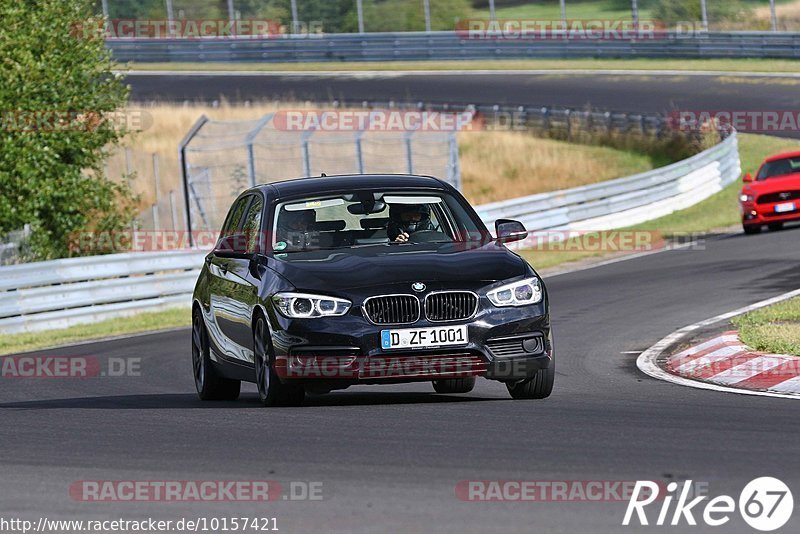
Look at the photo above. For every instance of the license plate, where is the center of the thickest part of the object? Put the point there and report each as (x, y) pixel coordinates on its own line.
(783, 208)
(423, 338)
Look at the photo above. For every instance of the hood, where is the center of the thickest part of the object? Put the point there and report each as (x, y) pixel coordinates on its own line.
(379, 265)
(774, 185)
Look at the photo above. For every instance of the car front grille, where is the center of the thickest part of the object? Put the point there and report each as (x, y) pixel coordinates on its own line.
(450, 306)
(516, 346)
(769, 198)
(392, 309)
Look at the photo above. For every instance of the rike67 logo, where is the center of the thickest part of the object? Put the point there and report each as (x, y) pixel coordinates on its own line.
(765, 504)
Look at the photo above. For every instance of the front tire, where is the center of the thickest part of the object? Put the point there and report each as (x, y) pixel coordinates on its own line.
(537, 387)
(454, 385)
(751, 229)
(271, 391)
(209, 383)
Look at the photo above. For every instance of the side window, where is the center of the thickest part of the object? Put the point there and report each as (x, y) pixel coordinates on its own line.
(234, 217)
(252, 225)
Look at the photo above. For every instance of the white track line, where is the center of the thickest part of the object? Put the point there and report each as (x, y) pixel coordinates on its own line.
(647, 362)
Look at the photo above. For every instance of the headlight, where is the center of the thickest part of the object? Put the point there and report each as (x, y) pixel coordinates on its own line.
(746, 198)
(520, 293)
(303, 305)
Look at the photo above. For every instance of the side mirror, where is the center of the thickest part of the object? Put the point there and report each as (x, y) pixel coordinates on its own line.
(231, 246)
(747, 178)
(508, 230)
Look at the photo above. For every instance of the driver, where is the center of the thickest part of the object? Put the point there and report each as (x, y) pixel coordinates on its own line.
(293, 227)
(405, 219)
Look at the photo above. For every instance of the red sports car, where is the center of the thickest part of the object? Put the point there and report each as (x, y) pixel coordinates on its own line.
(773, 196)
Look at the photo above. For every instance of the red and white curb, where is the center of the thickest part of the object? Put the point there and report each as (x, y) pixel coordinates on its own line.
(726, 361)
(732, 368)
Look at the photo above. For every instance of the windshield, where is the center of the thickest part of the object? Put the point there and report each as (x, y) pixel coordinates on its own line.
(780, 167)
(368, 218)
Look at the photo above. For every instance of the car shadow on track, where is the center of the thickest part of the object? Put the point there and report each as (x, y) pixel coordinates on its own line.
(167, 401)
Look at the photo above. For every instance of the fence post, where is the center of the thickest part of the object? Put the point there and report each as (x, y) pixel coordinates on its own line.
(546, 120)
(360, 13)
(156, 176)
(173, 209)
(359, 153)
(454, 167)
(155, 218)
(185, 171)
(306, 155)
(251, 136)
(409, 152)
(568, 115)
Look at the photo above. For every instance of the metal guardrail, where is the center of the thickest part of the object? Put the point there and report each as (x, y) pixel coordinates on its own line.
(61, 293)
(625, 201)
(411, 46)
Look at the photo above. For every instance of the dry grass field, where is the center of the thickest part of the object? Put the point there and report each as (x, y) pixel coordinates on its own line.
(495, 165)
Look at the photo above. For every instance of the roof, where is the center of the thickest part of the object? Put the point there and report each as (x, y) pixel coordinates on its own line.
(351, 182)
(784, 155)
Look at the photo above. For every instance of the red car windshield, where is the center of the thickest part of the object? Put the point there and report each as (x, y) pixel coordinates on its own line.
(780, 167)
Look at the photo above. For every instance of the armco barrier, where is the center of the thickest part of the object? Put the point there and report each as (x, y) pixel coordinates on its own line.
(61, 293)
(445, 46)
(625, 201)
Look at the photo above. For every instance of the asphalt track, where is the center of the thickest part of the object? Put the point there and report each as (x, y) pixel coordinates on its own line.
(616, 92)
(390, 457)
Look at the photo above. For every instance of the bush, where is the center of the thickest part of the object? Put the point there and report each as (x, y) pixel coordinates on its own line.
(58, 97)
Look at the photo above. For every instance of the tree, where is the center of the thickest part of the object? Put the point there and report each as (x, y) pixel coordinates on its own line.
(58, 118)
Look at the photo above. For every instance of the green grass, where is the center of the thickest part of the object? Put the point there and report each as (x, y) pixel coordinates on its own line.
(716, 212)
(594, 10)
(775, 329)
(142, 322)
(690, 65)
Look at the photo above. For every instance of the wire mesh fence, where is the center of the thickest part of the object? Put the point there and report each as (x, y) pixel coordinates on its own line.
(222, 158)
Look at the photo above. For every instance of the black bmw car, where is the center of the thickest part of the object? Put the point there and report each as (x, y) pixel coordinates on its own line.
(317, 284)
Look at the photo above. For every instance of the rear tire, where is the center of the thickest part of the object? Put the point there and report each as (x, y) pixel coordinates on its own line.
(454, 385)
(271, 391)
(775, 227)
(752, 229)
(537, 387)
(209, 383)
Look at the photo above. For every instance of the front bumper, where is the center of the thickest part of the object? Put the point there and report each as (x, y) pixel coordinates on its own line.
(506, 344)
(760, 214)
